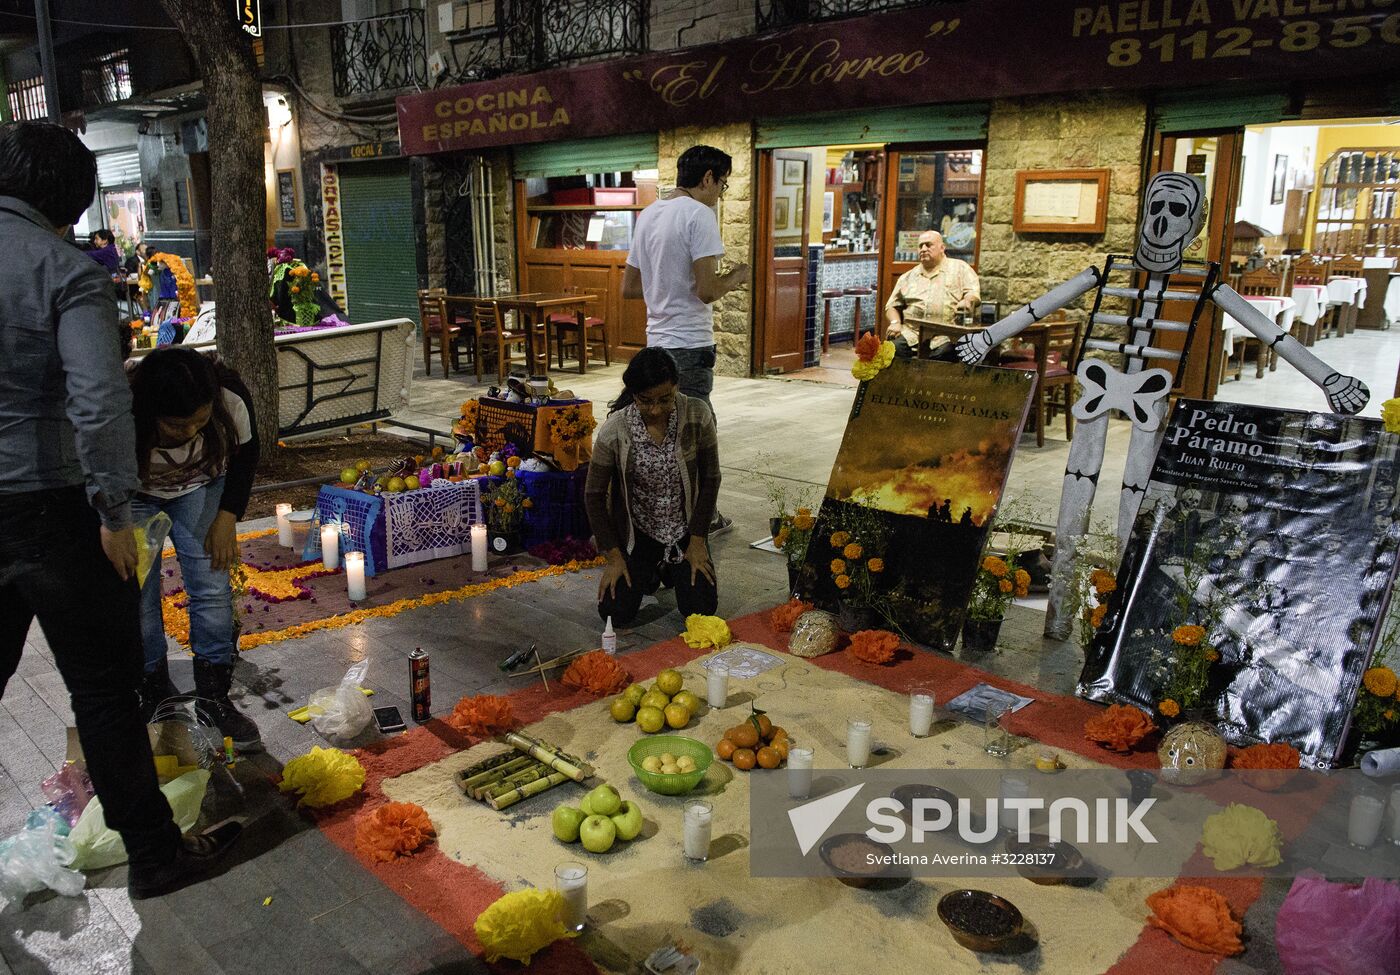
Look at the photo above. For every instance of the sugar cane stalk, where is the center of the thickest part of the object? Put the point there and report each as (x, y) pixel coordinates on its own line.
(551, 756)
(526, 791)
(496, 774)
(491, 768)
(524, 777)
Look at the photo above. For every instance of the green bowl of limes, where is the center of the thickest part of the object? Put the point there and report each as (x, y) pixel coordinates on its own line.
(690, 757)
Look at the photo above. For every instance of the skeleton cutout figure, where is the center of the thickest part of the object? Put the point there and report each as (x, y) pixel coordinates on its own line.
(1172, 216)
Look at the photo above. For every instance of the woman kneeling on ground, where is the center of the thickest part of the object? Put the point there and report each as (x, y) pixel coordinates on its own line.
(652, 487)
(197, 451)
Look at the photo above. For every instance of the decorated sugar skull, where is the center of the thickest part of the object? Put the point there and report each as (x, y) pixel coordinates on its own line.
(1191, 752)
(815, 633)
(1172, 215)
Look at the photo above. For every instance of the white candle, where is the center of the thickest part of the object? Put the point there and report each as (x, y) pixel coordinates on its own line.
(857, 743)
(355, 575)
(920, 713)
(330, 546)
(284, 526)
(571, 880)
(799, 763)
(478, 548)
(696, 840)
(1364, 823)
(717, 685)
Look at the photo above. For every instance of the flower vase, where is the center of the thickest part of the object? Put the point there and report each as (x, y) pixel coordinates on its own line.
(854, 619)
(775, 525)
(505, 542)
(980, 635)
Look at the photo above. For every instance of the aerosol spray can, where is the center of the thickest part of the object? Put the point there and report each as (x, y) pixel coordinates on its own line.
(420, 690)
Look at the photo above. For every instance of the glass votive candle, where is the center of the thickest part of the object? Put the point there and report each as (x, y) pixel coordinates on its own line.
(571, 880)
(921, 700)
(1364, 821)
(857, 743)
(696, 832)
(996, 739)
(799, 772)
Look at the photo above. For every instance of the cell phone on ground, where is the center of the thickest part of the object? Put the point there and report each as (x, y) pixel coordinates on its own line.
(388, 720)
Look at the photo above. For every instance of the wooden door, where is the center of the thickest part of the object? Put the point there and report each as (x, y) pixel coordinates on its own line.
(922, 185)
(1215, 158)
(784, 178)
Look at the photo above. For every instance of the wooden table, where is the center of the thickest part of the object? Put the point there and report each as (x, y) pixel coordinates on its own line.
(929, 330)
(534, 309)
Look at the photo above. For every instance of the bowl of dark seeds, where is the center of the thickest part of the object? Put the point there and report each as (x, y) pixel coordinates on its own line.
(1047, 862)
(979, 920)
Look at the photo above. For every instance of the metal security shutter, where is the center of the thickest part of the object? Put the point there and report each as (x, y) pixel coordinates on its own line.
(122, 168)
(381, 264)
(615, 154)
(1202, 111)
(918, 123)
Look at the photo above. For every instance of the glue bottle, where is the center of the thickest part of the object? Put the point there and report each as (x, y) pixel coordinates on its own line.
(609, 638)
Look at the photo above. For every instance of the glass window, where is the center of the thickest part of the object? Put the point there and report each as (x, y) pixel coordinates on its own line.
(938, 191)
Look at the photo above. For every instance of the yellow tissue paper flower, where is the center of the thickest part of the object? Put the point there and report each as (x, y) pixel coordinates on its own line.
(1390, 415)
(869, 370)
(702, 632)
(1239, 835)
(520, 924)
(323, 776)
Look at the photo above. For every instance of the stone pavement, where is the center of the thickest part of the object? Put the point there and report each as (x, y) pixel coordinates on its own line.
(326, 913)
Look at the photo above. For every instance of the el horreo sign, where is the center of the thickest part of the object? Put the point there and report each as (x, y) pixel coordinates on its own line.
(949, 52)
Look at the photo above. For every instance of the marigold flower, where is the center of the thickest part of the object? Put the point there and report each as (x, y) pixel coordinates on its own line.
(512, 461)
(839, 539)
(315, 277)
(867, 347)
(1169, 708)
(851, 551)
(1388, 714)
(509, 509)
(995, 566)
(1390, 415)
(1212, 654)
(876, 564)
(1102, 581)
(843, 582)
(500, 503)
(1005, 585)
(780, 539)
(1023, 582)
(1380, 681)
(527, 503)
(1189, 635)
(804, 512)
(296, 290)
(803, 522)
(838, 566)
(1097, 614)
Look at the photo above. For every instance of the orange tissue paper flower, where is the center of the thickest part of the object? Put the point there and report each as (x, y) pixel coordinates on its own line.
(874, 646)
(1198, 917)
(1169, 708)
(484, 714)
(396, 829)
(1189, 635)
(1267, 767)
(783, 618)
(867, 347)
(596, 673)
(1119, 727)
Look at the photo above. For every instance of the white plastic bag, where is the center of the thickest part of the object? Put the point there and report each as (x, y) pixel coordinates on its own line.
(37, 857)
(342, 712)
(97, 846)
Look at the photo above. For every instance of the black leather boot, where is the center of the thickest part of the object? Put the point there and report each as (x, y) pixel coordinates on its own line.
(211, 685)
(155, 688)
(196, 856)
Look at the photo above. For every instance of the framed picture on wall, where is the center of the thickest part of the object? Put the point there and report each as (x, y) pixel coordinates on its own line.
(1280, 179)
(287, 196)
(828, 212)
(792, 172)
(782, 213)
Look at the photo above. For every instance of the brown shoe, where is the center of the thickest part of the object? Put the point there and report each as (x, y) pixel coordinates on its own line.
(196, 856)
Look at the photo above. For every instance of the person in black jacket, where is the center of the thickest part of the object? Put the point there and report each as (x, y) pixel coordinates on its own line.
(196, 452)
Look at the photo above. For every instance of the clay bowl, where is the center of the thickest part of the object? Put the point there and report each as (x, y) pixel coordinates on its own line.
(906, 794)
(1067, 867)
(844, 855)
(980, 921)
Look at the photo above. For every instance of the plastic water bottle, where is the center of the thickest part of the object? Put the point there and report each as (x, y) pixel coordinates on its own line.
(609, 638)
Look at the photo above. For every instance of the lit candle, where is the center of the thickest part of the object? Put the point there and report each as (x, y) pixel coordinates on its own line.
(330, 546)
(479, 548)
(284, 526)
(355, 575)
(858, 743)
(571, 880)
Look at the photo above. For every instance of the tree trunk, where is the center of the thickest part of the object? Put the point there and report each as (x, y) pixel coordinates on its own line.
(237, 130)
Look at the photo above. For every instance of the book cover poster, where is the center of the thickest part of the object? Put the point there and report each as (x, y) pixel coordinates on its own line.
(1276, 530)
(917, 479)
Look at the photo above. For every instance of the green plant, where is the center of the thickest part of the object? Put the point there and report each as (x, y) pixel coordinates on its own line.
(505, 505)
(1377, 710)
(999, 581)
(859, 537)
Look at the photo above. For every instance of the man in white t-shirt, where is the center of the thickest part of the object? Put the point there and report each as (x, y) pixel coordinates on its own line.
(674, 267)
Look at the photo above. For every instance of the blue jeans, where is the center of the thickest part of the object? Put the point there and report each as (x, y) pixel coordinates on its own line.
(697, 371)
(210, 596)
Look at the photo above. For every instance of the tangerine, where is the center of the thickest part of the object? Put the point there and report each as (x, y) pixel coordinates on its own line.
(777, 731)
(780, 745)
(744, 758)
(744, 735)
(725, 749)
(768, 757)
(765, 727)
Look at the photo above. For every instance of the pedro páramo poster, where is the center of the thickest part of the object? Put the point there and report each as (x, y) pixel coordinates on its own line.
(917, 479)
(1274, 530)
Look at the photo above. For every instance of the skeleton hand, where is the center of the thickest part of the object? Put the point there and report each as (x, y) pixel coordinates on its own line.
(1345, 394)
(971, 349)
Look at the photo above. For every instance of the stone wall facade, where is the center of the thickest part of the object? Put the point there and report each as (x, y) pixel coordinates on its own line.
(734, 312)
(684, 23)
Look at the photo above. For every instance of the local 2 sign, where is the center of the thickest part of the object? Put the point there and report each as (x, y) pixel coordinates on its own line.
(951, 52)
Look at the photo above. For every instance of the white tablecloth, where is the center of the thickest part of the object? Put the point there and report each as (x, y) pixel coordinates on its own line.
(1383, 262)
(1312, 302)
(1347, 291)
(1280, 309)
(1392, 300)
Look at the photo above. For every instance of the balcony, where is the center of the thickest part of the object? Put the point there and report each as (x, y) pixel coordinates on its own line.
(381, 54)
(519, 36)
(777, 14)
(105, 79)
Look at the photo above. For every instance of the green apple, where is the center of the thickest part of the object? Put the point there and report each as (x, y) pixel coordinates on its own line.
(604, 800)
(628, 821)
(598, 834)
(348, 475)
(567, 820)
(585, 808)
(635, 693)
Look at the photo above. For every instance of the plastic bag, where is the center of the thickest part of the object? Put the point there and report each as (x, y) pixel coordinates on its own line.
(37, 857)
(1339, 929)
(150, 542)
(68, 790)
(342, 712)
(97, 846)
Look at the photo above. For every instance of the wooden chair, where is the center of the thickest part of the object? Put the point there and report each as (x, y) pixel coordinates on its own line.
(435, 323)
(1267, 281)
(1056, 344)
(489, 330)
(1311, 269)
(586, 332)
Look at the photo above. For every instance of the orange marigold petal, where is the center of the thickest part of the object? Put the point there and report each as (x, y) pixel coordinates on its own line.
(874, 646)
(1119, 727)
(1198, 917)
(393, 830)
(596, 673)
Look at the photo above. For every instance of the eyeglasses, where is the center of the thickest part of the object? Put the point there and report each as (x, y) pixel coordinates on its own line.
(723, 185)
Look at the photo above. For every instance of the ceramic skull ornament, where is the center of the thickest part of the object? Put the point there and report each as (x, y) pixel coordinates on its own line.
(1172, 216)
(1191, 752)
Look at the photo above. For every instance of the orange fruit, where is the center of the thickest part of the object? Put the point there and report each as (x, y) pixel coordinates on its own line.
(780, 745)
(744, 735)
(765, 727)
(677, 716)
(744, 758)
(768, 758)
(725, 749)
(776, 732)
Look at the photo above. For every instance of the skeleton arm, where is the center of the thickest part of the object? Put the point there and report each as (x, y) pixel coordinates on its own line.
(971, 349)
(1345, 394)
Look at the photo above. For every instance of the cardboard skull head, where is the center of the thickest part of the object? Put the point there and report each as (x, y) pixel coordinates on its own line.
(1172, 216)
(1191, 752)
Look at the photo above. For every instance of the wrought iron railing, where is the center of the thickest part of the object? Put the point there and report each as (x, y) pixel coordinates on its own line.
(380, 54)
(776, 14)
(530, 36)
(106, 79)
(27, 100)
